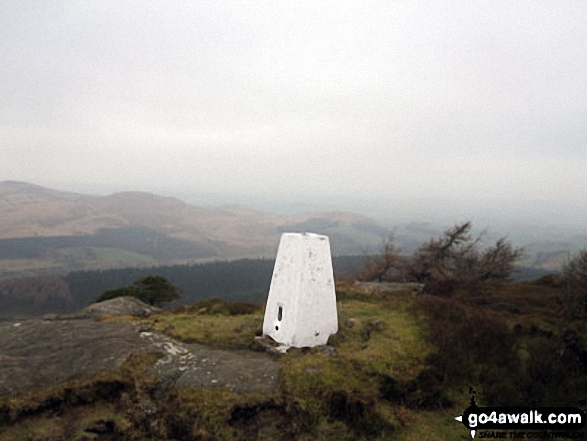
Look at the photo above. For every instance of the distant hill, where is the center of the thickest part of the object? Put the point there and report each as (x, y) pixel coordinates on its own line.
(44, 231)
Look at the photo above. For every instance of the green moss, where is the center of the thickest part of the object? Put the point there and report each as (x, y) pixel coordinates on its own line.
(375, 340)
(382, 339)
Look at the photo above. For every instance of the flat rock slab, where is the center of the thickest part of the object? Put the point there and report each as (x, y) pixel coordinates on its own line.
(195, 365)
(39, 353)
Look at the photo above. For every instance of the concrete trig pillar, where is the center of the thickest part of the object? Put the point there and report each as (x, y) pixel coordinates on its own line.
(301, 306)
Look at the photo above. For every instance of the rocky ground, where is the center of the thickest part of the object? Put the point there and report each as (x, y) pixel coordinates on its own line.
(42, 352)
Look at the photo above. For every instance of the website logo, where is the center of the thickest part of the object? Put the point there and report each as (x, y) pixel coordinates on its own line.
(566, 421)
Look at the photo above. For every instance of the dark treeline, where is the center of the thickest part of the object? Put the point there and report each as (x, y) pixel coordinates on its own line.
(34, 296)
(243, 280)
(239, 280)
(136, 239)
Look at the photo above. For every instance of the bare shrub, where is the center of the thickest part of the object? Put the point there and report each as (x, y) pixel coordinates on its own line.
(387, 266)
(454, 260)
(575, 276)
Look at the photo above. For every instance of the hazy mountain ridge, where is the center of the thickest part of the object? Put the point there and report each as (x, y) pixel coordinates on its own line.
(97, 231)
(139, 228)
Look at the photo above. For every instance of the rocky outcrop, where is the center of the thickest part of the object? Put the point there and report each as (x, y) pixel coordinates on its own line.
(120, 306)
(40, 353)
(195, 365)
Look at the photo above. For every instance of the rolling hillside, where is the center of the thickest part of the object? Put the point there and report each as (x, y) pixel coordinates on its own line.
(45, 231)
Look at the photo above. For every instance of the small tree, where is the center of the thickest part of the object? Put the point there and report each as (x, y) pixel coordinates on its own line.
(443, 264)
(456, 259)
(444, 258)
(155, 290)
(575, 276)
(152, 289)
(388, 265)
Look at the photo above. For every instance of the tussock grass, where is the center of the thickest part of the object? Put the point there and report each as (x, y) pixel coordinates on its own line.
(79, 409)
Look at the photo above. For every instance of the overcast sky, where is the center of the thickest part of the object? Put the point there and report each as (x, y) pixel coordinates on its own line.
(367, 100)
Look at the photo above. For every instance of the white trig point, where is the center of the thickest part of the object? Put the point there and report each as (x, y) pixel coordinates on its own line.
(301, 307)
